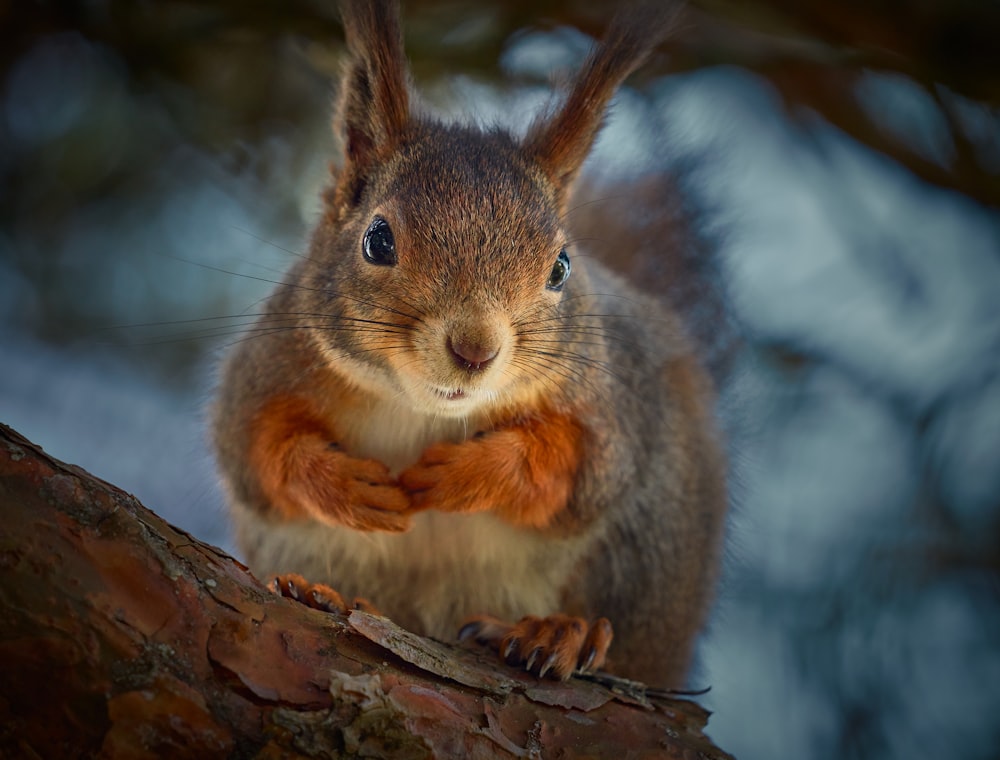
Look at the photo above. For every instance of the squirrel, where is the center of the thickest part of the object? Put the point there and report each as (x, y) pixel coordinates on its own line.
(449, 408)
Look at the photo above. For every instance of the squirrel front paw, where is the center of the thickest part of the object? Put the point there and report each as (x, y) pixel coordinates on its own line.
(450, 477)
(556, 645)
(522, 473)
(303, 472)
(345, 490)
(319, 596)
(371, 497)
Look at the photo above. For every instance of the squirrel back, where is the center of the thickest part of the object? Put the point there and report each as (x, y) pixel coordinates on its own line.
(451, 409)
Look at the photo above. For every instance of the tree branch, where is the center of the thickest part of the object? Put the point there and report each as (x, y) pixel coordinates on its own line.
(122, 636)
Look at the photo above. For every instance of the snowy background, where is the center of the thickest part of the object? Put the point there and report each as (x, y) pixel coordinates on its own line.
(860, 615)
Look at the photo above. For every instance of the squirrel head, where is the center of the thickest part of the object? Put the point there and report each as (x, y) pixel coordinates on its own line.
(442, 260)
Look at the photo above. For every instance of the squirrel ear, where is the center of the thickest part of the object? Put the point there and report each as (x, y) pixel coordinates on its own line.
(560, 142)
(374, 105)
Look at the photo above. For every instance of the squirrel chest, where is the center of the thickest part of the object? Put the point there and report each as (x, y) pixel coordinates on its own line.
(430, 577)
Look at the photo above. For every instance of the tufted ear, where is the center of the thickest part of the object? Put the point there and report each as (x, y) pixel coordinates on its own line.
(560, 142)
(374, 104)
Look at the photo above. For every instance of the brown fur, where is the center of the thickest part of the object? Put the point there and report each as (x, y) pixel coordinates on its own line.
(575, 469)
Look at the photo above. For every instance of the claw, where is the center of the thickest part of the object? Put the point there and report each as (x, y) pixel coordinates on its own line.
(509, 649)
(321, 601)
(547, 665)
(556, 646)
(360, 603)
(532, 657)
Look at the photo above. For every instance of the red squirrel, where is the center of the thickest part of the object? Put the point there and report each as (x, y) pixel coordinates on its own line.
(451, 409)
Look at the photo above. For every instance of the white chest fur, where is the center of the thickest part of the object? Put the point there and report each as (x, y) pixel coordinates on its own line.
(396, 435)
(429, 579)
(445, 568)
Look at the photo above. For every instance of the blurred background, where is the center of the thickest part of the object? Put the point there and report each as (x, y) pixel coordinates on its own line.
(159, 168)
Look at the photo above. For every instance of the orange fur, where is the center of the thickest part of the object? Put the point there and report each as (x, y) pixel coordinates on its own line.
(555, 645)
(523, 472)
(304, 475)
(319, 596)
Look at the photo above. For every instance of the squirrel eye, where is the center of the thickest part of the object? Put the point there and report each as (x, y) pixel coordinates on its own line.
(379, 246)
(560, 271)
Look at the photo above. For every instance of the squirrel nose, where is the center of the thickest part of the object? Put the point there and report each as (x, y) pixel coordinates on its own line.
(470, 356)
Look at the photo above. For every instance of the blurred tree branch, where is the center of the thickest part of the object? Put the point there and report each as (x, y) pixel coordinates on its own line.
(813, 51)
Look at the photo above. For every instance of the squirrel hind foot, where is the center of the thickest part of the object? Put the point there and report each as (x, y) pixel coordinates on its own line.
(555, 646)
(319, 596)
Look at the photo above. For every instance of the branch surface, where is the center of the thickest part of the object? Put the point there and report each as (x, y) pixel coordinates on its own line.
(123, 636)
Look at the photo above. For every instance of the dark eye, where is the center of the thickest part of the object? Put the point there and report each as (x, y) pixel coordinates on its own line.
(560, 271)
(379, 246)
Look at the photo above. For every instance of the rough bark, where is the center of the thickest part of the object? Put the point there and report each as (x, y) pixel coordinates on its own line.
(122, 636)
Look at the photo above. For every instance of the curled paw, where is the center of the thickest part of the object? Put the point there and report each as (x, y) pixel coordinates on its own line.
(554, 646)
(374, 501)
(437, 477)
(319, 596)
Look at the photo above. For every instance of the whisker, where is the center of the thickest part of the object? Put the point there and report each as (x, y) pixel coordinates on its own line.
(569, 358)
(260, 239)
(593, 201)
(299, 286)
(562, 369)
(249, 323)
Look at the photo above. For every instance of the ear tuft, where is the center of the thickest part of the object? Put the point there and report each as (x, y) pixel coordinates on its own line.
(560, 142)
(374, 106)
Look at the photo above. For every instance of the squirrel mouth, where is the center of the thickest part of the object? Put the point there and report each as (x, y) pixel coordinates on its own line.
(450, 395)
